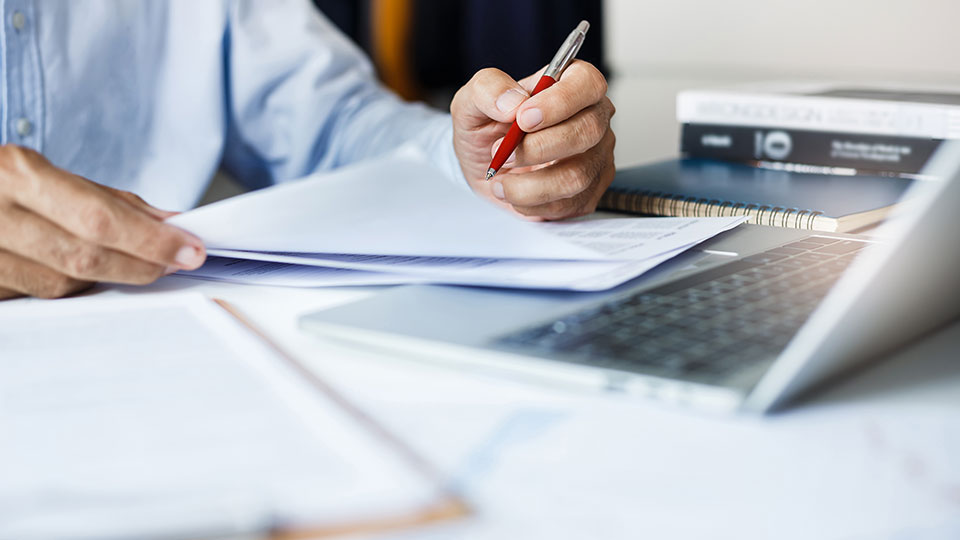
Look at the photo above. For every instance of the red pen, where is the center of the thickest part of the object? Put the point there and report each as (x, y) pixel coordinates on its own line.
(568, 51)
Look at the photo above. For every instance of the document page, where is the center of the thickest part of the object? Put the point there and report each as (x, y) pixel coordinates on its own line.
(308, 270)
(630, 238)
(392, 206)
(639, 238)
(402, 206)
(279, 274)
(164, 417)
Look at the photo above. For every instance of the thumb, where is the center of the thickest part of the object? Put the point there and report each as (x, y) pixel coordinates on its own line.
(490, 95)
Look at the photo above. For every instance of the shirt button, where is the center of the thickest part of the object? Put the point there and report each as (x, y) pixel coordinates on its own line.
(24, 127)
(19, 20)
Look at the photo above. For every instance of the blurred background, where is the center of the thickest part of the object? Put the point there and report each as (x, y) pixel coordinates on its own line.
(427, 49)
(651, 49)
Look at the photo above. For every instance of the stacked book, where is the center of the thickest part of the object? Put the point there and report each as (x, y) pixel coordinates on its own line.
(824, 157)
(844, 129)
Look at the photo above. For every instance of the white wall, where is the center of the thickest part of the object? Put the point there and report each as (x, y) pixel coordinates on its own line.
(657, 47)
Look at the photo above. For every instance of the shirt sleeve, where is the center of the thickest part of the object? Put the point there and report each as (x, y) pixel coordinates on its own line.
(302, 98)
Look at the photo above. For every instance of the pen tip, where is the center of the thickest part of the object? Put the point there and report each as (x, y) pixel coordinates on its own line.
(490, 173)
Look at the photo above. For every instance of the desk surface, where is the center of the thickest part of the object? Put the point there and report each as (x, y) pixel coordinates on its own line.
(874, 457)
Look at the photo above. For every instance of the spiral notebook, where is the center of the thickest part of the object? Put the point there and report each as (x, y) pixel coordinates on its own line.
(702, 188)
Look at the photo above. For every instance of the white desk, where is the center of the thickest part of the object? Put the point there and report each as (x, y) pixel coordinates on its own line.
(875, 457)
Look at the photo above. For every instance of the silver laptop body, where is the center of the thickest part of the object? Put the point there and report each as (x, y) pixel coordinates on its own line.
(758, 334)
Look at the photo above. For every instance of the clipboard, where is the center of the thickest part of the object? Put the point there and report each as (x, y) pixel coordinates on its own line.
(172, 415)
(448, 505)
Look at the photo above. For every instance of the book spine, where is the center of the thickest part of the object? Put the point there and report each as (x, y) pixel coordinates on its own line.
(819, 113)
(906, 155)
(666, 204)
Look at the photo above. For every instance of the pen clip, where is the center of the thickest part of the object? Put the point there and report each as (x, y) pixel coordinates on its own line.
(568, 51)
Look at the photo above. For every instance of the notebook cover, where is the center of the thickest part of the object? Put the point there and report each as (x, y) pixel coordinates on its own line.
(836, 196)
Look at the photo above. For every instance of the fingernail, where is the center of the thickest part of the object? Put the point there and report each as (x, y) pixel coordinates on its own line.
(530, 119)
(169, 270)
(189, 257)
(510, 100)
(498, 190)
(512, 159)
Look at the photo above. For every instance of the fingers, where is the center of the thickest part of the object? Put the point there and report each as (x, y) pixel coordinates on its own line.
(22, 276)
(577, 135)
(490, 95)
(60, 232)
(6, 294)
(134, 200)
(580, 86)
(39, 240)
(568, 188)
(91, 213)
(493, 95)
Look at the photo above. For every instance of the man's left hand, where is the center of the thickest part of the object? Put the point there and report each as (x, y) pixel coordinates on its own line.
(564, 163)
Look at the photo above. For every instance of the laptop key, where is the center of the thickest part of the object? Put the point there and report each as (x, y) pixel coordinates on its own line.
(782, 268)
(813, 258)
(788, 251)
(822, 240)
(843, 247)
(799, 262)
(703, 277)
(765, 257)
(803, 245)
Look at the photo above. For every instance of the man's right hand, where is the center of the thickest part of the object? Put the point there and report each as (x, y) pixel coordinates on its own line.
(60, 232)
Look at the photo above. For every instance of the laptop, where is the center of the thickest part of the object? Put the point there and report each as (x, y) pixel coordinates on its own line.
(750, 321)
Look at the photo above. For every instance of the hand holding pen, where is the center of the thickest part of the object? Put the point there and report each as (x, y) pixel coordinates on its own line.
(556, 149)
(568, 51)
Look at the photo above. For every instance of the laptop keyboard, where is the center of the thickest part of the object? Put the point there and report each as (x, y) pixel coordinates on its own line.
(708, 326)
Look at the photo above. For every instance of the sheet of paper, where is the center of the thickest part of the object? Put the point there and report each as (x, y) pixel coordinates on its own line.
(853, 472)
(402, 206)
(617, 236)
(639, 238)
(629, 238)
(279, 274)
(392, 206)
(509, 273)
(844, 466)
(164, 417)
(624, 239)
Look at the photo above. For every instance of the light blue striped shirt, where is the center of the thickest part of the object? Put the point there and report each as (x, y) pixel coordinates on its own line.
(152, 96)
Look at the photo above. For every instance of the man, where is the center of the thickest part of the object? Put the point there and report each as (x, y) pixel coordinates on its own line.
(152, 97)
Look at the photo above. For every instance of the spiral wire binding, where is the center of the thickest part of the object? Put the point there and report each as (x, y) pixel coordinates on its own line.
(659, 203)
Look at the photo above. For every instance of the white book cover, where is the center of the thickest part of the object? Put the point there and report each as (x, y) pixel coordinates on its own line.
(879, 109)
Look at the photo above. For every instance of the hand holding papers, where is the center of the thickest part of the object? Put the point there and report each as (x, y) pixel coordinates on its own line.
(399, 216)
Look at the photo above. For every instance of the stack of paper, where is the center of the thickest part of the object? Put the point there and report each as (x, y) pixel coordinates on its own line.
(397, 220)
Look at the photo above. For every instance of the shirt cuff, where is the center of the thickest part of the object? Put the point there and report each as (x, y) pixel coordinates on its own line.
(443, 154)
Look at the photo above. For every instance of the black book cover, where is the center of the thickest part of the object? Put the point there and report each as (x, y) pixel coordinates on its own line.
(873, 153)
